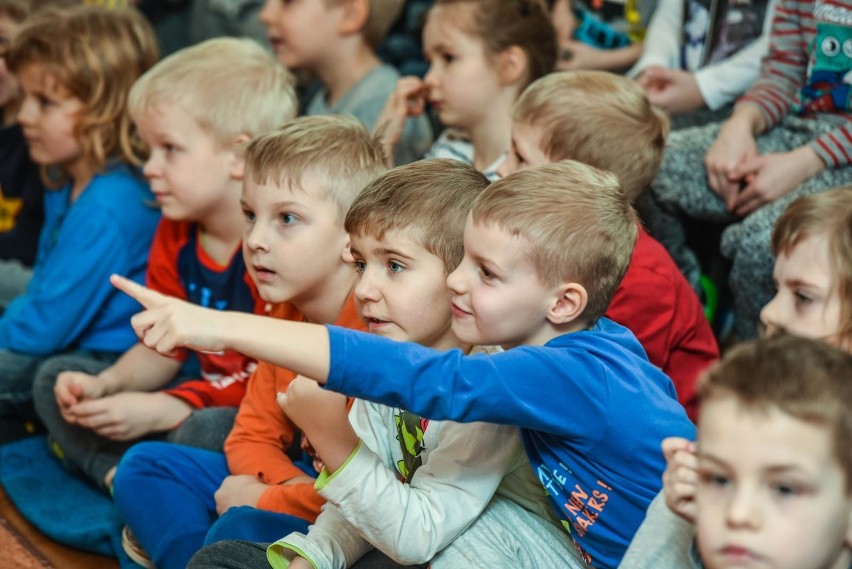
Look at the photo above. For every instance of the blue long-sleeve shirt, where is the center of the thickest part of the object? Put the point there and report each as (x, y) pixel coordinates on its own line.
(69, 303)
(591, 408)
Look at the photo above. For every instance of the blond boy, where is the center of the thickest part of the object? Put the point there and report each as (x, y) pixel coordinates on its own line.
(545, 249)
(195, 116)
(606, 121)
(299, 183)
(335, 41)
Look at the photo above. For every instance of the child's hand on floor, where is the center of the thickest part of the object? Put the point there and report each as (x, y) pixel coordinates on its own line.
(238, 490)
(681, 477)
(408, 100)
(72, 387)
(324, 418)
(129, 416)
(169, 323)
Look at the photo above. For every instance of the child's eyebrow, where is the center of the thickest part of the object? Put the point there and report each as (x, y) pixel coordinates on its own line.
(794, 283)
(387, 252)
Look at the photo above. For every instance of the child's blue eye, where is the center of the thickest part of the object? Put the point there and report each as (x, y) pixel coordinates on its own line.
(249, 215)
(288, 218)
(360, 266)
(395, 267)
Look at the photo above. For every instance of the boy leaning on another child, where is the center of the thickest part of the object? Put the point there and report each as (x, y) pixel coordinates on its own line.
(606, 121)
(184, 108)
(591, 408)
(409, 486)
(298, 185)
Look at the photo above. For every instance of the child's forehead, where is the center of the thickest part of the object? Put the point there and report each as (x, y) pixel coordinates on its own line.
(40, 77)
(384, 240)
(445, 20)
(764, 437)
(305, 190)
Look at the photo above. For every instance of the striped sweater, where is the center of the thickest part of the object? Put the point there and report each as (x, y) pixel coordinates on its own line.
(793, 48)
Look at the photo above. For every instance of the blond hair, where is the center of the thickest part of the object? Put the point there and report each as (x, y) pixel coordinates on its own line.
(96, 54)
(826, 213)
(229, 86)
(805, 378)
(579, 226)
(601, 119)
(501, 24)
(428, 199)
(335, 151)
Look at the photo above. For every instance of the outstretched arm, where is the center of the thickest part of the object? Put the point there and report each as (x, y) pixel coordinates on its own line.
(168, 323)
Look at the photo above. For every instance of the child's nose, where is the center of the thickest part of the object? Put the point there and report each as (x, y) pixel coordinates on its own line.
(267, 11)
(456, 282)
(152, 167)
(255, 238)
(26, 114)
(365, 288)
(743, 509)
(769, 317)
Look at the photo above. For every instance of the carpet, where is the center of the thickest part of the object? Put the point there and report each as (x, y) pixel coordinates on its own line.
(17, 552)
(60, 505)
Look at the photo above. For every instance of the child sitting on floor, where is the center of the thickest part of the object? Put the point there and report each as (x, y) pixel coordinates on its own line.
(545, 250)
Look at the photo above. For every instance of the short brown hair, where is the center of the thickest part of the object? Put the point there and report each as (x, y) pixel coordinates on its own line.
(826, 213)
(335, 151)
(96, 54)
(805, 378)
(383, 13)
(429, 199)
(599, 118)
(577, 221)
(15, 10)
(501, 24)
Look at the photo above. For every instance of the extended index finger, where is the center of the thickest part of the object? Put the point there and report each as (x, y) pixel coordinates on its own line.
(144, 296)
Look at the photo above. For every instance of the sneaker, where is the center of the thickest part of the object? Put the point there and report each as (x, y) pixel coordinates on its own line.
(134, 550)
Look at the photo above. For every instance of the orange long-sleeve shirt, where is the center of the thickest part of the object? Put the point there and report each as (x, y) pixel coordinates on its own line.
(262, 433)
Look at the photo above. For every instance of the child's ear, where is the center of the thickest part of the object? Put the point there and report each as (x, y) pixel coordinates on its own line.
(511, 65)
(355, 16)
(347, 252)
(238, 162)
(569, 305)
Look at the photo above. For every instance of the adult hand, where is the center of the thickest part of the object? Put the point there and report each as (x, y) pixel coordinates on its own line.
(673, 90)
(734, 146)
(323, 417)
(680, 479)
(130, 416)
(238, 490)
(407, 100)
(773, 175)
(168, 323)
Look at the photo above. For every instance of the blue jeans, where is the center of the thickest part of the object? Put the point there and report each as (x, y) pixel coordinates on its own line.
(165, 492)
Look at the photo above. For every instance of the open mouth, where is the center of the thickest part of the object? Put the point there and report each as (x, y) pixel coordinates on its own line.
(263, 274)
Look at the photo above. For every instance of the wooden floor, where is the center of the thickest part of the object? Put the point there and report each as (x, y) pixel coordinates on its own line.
(62, 557)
